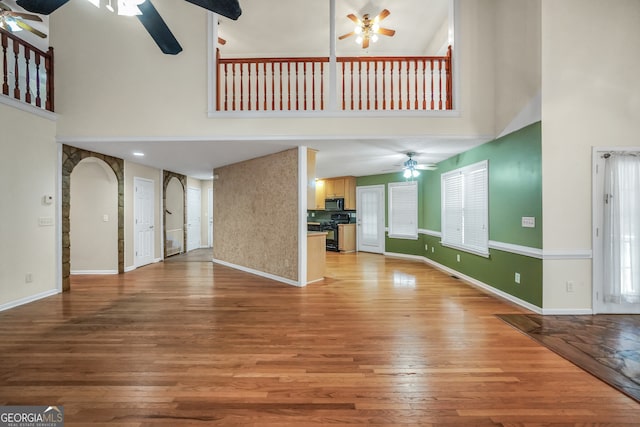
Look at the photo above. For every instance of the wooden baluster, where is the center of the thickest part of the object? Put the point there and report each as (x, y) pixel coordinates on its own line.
(281, 89)
(415, 81)
(289, 86)
(433, 106)
(273, 86)
(424, 84)
(226, 87)
(384, 86)
(234, 99)
(360, 85)
(344, 89)
(16, 69)
(392, 84)
(352, 64)
(27, 57)
(449, 80)
(37, 62)
(375, 85)
(313, 85)
(264, 86)
(5, 72)
(368, 87)
(48, 66)
(440, 85)
(408, 65)
(322, 86)
(297, 91)
(304, 74)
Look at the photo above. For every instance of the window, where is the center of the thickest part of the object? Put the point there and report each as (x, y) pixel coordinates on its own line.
(403, 210)
(465, 208)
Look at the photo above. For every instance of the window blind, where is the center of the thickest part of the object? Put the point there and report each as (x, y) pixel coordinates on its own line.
(465, 208)
(403, 210)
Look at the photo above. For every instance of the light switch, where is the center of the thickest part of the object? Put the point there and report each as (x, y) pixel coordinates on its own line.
(105, 218)
(45, 221)
(529, 221)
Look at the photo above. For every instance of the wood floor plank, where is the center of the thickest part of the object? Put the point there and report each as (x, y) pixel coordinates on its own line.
(381, 341)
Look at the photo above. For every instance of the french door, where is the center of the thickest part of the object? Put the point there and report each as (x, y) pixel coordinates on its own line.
(370, 218)
(616, 263)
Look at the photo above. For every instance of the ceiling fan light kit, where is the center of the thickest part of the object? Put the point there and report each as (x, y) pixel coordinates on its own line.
(367, 29)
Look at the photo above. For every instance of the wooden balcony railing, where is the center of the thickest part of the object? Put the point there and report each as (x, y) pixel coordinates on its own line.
(27, 72)
(418, 83)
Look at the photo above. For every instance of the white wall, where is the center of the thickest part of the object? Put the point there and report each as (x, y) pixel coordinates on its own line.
(517, 64)
(114, 81)
(131, 171)
(590, 97)
(94, 199)
(27, 173)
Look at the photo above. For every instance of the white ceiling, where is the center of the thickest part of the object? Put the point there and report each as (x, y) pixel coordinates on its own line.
(301, 28)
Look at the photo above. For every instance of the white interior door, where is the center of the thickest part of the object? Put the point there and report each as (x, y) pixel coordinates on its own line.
(143, 221)
(194, 209)
(616, 236)
(210, 217)
(370, 218)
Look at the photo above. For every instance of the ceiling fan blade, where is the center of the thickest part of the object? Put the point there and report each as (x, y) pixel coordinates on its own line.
(158, 29)
(386, 32)
(29, 28)
(227, 8)
(27, 16)
(426, 167)
(4, 7)
(382, 15)
(365, 43)
(354, 18)
(344, 36)
(43, 7)
(222, 41)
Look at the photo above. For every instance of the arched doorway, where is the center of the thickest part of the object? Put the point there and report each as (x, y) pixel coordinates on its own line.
(174, 213)
(93, 232)
(71, 157)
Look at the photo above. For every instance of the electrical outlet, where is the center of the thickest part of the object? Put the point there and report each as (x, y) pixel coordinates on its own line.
(426, 247)
(433, 249)
(517, 278)
(458, 257)
(28, 278)
(570, 286)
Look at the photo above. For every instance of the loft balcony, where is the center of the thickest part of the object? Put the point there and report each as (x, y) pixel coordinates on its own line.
(366, 83)
(27, 72)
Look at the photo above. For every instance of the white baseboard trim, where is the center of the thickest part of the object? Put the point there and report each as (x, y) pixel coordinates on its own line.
(471, 281)
(567, 311)
(28, 299)
(133, 267)
(93, 272)
(259, 273)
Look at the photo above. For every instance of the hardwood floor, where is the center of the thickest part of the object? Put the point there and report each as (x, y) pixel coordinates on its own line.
(381, 342)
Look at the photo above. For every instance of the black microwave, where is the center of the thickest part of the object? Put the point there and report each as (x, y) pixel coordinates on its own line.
(334, 204)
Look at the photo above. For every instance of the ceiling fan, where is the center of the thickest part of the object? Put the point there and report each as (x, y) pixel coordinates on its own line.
(367, 29)
(149, 17)
(14, 21)
(412, 168)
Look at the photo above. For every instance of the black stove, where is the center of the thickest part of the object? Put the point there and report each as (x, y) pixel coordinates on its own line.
(331, 227)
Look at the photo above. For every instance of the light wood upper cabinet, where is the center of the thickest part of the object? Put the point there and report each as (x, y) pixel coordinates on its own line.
(350, 193)
(320, 193)
(331, 188)
(334, 188)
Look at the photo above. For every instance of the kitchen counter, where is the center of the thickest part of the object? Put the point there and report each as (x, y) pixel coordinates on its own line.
(316, 255)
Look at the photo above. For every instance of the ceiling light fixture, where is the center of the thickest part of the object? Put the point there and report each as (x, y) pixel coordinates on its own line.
(410, 165)
(129, 7)
(138, 154)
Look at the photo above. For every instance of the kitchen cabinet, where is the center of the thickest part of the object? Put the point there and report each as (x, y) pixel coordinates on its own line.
(331, 188)
(316, 255)
(334, 188)
(347, 237)
(320, 193)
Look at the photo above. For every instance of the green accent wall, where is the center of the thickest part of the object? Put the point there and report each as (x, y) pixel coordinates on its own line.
(515, 190)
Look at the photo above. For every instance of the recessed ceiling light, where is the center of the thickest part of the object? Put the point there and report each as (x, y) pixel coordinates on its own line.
(138, 154)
